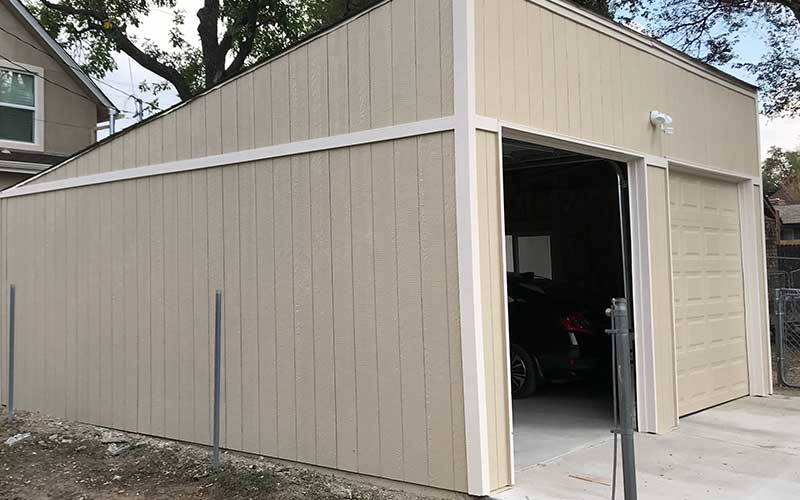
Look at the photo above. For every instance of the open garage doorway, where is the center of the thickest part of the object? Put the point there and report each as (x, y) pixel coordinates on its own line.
(565, 263)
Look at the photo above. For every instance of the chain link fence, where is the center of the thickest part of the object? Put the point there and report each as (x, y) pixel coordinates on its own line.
(787, 335)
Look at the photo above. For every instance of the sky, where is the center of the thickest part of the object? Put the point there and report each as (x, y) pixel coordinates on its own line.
(781, 132)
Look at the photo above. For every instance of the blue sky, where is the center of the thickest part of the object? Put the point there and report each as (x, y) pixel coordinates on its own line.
(781, 132)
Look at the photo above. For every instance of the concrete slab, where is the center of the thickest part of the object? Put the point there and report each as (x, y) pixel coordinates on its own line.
(559, 419)
(746, 449)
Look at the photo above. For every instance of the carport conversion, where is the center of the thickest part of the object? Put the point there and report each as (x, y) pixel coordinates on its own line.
(346, 197)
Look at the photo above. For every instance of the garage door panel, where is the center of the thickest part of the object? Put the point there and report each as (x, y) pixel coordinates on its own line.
(709, 295)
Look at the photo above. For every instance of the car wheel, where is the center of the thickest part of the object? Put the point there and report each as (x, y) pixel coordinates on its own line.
(523, 373)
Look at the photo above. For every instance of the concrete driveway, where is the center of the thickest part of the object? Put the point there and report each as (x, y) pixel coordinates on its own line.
(746, 449)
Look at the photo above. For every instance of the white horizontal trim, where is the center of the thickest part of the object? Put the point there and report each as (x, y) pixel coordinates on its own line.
(487, 124)
(293, 148)
(700, 169)
(566, 142)
(656, 161)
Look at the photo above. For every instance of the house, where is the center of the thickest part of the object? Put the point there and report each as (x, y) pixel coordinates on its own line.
(49, 108)
(352, 199)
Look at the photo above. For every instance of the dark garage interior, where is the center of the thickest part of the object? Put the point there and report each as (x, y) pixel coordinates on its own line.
(564, 265)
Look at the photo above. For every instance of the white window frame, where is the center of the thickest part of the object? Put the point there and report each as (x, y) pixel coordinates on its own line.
(38, 113)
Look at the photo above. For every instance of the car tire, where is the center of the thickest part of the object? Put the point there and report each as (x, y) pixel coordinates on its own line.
(523, 373)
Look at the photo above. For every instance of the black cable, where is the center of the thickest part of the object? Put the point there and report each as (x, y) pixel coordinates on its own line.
(26, 70)
(48, 54)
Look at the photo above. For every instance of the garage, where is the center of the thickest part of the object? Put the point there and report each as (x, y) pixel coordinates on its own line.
(372, 204)
(710, 330)
(563, 266)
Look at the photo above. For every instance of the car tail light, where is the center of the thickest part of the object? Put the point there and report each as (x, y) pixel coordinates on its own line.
(576, 323)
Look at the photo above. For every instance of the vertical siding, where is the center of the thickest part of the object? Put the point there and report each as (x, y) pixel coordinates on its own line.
(494, 329)
(389, 66)
(341, 338)
(539, 66)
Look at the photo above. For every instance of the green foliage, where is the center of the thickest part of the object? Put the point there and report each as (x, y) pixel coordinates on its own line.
(780, 166)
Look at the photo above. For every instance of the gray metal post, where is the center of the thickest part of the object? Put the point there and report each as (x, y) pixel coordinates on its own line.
(217, 373)
(627, 413)
(11, 305)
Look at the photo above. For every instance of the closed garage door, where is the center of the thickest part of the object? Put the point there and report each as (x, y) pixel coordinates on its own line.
(709, 296)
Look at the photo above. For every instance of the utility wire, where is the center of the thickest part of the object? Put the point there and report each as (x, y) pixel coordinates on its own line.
(35, 47)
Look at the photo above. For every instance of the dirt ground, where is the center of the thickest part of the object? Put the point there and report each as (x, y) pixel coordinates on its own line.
(70, 461)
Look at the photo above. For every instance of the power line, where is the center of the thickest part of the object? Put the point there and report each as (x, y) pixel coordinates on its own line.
(35, 47)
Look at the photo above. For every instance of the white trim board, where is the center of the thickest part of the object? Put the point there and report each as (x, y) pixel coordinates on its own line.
(294, 148)
(472, 354)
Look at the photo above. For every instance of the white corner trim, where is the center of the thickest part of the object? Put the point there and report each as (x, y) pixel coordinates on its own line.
(641, 270)
(472, 354)
(754, 329)
(293, 148)
(507, 333)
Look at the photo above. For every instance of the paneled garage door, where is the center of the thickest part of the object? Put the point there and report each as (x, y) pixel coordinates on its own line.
(709, 295)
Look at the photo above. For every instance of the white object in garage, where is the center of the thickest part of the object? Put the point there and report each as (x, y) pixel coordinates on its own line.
(709, 293)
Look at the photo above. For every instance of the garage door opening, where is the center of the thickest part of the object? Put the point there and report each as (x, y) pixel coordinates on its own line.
(564, 265)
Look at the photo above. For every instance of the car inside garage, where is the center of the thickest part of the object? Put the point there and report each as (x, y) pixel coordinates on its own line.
(564, 264)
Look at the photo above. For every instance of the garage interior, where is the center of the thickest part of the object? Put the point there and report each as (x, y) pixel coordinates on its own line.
(564, 265)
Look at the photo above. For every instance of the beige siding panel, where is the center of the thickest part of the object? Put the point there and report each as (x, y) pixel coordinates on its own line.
(267, 355)
(340, 303)
(338, 82)
(284, 309)
(364, 311)
(661, 269)
(196, 131)
(386, 311)
(304, 369)
(380, 57)
(599, 87)
(429, 70)
(202, 293)
(404, 69)
(229, 101)
(318, 103)
(143, 302)
(298, 94)
(213, 123)
(358, 76)
(344, 341)
(244, 112)
(158, 362)
(185, 311)
(412, 362)
(495, 338)
(232, 308)
(248, 281)
(262, 106)
(322, 300)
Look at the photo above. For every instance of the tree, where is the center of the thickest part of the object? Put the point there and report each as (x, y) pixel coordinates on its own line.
(232, 34)
(710, 30)
(781, 166)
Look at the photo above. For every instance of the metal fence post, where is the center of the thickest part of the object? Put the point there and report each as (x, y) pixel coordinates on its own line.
(11, 306)
(622, 345)
(217, 374)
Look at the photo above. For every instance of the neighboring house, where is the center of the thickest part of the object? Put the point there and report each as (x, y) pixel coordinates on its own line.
(772, 234)
(49, 109)
(347, 197)
(789, 217)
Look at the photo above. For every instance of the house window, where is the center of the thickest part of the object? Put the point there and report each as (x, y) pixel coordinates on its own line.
(18, 101)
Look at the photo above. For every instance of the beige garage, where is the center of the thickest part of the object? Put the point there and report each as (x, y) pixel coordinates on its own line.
(710, 329)
(347, 196)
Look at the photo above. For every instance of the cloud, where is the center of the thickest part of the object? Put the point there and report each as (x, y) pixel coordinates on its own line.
(781, 132)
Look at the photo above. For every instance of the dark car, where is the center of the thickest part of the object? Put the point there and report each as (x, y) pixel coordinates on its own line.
(555, 337)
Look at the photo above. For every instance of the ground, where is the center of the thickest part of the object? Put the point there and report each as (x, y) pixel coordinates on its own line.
(66, 460)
